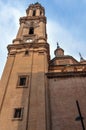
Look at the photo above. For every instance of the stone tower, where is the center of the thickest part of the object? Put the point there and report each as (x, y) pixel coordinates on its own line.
(23, 83)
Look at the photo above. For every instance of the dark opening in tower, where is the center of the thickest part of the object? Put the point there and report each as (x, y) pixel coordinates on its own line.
(31, 30)
(34, 12)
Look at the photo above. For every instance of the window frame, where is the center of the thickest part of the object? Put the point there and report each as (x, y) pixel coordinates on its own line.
(27, 81)
(21, 114)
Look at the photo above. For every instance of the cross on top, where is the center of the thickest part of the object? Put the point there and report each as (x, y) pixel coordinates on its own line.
(57, 45)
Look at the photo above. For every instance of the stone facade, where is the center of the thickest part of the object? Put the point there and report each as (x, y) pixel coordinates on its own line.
(37, 93)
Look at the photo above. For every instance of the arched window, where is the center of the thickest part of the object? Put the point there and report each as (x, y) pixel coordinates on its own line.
(40, 12)
(34, 12)
(31, 30)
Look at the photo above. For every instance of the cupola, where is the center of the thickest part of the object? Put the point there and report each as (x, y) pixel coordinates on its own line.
(59, 51)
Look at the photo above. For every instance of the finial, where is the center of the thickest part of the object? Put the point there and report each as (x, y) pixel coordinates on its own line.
(57, 45)
(36, 3)
(81, 58)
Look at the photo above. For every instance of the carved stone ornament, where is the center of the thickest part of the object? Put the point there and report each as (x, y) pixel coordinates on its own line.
(31, 24)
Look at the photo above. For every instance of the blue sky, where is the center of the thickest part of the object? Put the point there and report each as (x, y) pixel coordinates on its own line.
(66, 24)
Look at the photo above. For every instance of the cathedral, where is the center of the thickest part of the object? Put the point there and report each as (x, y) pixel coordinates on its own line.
(37, 92)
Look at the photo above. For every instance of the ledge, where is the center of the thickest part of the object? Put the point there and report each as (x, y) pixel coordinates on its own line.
(66, 74)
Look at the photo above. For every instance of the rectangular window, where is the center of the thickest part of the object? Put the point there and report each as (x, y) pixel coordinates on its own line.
(18, 113)
(22, 81)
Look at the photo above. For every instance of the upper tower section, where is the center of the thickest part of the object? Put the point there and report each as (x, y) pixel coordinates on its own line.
(35, 10)
(32, 26)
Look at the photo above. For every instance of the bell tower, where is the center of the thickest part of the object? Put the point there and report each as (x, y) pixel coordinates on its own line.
(33, 26)
(23, 83)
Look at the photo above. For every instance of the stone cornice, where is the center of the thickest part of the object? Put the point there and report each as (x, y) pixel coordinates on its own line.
(28, 45)
(28, 18)
(66, 74)
(69, 65)
(36, 47)
(68, 68)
